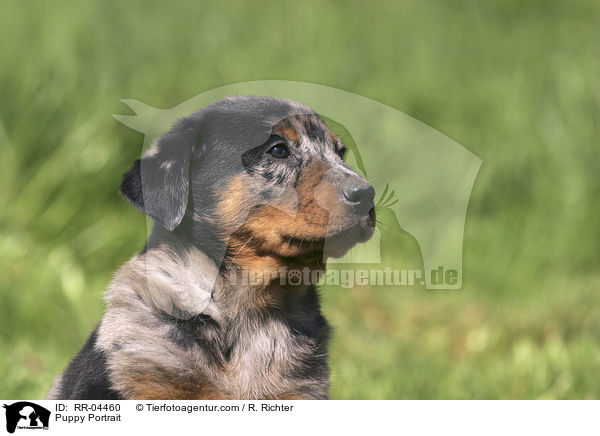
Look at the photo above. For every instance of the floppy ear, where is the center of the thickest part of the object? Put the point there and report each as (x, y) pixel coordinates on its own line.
(158, 183)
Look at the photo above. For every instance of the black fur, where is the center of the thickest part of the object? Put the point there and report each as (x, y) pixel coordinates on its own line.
(86, 377)
(158, 184)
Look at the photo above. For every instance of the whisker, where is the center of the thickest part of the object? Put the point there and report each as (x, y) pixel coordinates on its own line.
(385, 190)
(391, 229)
(393, 202)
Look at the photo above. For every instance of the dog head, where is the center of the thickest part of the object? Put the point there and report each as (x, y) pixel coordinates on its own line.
(249, 178)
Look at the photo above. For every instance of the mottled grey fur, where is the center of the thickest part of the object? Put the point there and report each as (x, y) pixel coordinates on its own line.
(264, 352)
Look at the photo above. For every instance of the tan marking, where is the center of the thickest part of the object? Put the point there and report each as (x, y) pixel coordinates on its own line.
(155, 385)
(333, 136)
(263, 239)
(290, 134)
(230, 203)
(286, 129)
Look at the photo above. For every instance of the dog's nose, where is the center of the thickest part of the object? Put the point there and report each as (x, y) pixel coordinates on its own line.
(359, 192)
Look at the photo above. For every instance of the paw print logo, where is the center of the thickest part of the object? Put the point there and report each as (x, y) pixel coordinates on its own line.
(425, 178)
(294, 277)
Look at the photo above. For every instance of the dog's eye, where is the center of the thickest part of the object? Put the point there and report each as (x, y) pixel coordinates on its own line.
(279, 151)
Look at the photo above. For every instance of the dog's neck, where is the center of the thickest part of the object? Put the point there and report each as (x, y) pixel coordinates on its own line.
(241, 283)
(255, 337)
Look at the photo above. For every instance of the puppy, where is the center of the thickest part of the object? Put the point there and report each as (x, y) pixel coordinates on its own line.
(246, 187)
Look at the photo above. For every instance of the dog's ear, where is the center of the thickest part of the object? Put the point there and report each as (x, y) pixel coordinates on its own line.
(158, 183)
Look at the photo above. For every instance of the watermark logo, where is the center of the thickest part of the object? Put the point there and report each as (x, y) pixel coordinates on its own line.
(422, 179)
(344, 277)
(25, 415)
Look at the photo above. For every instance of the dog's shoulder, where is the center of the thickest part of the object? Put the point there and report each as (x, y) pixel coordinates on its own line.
(156, 350)
(86, 376)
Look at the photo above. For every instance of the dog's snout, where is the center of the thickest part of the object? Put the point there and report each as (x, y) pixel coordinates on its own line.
(358, 192)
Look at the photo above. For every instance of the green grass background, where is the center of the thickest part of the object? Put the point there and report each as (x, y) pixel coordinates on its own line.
(515, 82)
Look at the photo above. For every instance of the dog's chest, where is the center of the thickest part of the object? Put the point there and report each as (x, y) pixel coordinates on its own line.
(263, 359)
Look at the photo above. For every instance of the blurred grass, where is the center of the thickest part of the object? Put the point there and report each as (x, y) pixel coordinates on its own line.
(515, 82)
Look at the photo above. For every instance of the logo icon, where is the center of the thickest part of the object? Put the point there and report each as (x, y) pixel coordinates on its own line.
(425, 178)
(26, 415)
